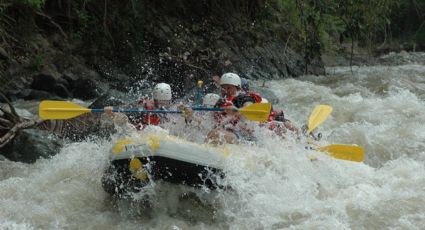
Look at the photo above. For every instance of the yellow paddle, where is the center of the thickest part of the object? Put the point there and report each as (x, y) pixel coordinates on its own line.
(318, 116)
(256, 112)
(53, 110)
(344, 152)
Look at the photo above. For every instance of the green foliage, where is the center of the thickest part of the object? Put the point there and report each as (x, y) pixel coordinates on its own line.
(363, 20)
(313, 25)
(291, 13)
(329, 31)
(37, 62)
(83, 27)
(36, 4)
(408, 21)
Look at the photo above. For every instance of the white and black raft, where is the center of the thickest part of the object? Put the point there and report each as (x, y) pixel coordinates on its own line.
(135, 161)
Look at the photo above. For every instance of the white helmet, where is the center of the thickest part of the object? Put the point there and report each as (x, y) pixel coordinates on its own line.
(263, 100)
(162, 92)
(210, 99)
(230, 79)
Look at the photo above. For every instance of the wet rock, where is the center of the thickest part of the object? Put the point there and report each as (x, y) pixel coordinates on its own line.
(70, 78)
(122, 82)
(17, 94)
(39, 42)
(114, 98)
(86, 89)
(61, 91)
(43, 81)
(84, 83)
(63, 81)
(116, 78)
(3, 54)
(33, 94)
(316, 67)
(30, 145)
(82, 71)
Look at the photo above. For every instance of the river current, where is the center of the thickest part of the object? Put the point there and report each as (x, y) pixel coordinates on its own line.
(380, 108)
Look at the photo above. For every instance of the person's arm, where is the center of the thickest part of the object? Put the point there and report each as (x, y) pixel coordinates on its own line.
(288, 124)
(119, 119)
(187, 113)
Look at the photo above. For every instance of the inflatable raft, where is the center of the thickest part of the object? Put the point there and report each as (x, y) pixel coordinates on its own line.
(135, 161)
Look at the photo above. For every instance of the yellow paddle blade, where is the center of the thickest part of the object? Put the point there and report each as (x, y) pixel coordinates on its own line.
(344, 152)
(318, 116)
(52, 110)
(256, 111)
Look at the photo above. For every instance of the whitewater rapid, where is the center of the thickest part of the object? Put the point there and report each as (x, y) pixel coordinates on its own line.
(275, 184)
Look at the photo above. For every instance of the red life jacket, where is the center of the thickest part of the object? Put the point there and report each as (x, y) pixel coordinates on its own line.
(236, 101)
(240, 99)
(227, 103)
(277, 115)
(149, 118)
(256, 96)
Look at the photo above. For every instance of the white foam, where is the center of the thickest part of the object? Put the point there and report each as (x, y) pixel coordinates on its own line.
(275, 184)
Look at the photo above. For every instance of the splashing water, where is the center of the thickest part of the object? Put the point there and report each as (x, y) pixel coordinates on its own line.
(274, 184)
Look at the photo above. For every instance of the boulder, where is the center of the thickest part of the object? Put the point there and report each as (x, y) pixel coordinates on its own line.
(3, 54)
(30, 145)
(114, 98)
(61, 91)
(33, 94)
(86, 88)
(43, 81)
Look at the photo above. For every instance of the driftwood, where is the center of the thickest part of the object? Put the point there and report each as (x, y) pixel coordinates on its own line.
(11, 133)
(11, 122)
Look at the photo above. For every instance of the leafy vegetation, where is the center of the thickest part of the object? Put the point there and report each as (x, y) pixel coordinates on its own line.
(408, 21)
(336, 20)
(36, 4)
(312, 25)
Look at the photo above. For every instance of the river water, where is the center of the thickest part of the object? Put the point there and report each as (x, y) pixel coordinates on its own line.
(380, 108)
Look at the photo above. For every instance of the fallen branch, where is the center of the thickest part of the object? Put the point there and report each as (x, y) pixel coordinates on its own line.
(13, 131)
(12, 113)
(53, 22)
(5, 122)
(12, 122)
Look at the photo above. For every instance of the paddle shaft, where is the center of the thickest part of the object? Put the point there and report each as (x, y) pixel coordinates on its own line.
(158, 110)
(66, 110)
(134, 110)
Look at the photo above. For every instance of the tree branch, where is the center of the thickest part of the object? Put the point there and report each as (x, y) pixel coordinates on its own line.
(53, 22)
(14, 116)
(13, 131)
